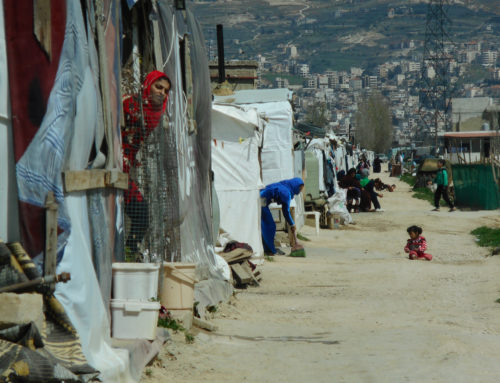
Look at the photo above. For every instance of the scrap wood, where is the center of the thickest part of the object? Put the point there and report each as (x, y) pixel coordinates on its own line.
(236, 255)
(242, 276)
(257, 274)
(248, 269)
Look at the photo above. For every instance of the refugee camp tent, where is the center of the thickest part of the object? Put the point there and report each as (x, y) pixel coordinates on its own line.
(67, 102)
(191, 150)
(57, 99)
(277, 150)
(274, 105)
(236, 138)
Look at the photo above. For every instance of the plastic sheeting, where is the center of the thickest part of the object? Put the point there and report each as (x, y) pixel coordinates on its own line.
(4, 80)
(81, 297)
(277, 149)
(337, 205)
(9, 220)
(192, 141)
(475, 187)
(64, 141)
(237, 134)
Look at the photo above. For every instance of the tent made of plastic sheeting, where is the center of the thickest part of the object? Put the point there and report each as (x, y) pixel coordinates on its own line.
(60, 85)
(236, 138)
(184, 60)
(277, 150)
(277, 158)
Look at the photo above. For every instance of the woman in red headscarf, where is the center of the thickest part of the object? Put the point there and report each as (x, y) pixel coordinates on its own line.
(142, 115)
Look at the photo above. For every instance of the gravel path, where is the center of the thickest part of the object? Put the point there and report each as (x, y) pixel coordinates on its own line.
(357, 310)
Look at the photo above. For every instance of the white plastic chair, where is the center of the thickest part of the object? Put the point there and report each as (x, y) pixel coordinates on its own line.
(316, 215)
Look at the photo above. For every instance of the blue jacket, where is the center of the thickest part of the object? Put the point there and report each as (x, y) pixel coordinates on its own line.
(282, 193)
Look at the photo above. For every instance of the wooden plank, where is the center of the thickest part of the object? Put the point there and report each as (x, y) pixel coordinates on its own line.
(239, 259)
(237, 255)
(242, 277)
(78, 180)
(42, 27)
(49, 264)
(248, 269)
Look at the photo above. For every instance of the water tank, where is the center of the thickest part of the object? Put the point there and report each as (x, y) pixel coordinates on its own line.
(485, 126)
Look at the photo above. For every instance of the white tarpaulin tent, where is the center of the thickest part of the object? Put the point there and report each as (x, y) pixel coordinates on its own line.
(277, 150)
(236, 137)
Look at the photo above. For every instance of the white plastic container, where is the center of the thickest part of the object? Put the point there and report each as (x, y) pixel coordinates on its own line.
(134, 319)
(137, 281)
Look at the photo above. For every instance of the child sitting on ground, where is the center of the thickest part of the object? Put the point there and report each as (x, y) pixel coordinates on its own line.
(417, 244)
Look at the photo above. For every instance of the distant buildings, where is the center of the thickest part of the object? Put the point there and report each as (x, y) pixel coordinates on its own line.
(467, 113)
(489, 58)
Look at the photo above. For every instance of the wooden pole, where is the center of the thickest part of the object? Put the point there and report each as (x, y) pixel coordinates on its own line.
(49, 264)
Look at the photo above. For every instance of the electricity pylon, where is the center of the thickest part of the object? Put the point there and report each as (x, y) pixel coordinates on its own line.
(435, 86)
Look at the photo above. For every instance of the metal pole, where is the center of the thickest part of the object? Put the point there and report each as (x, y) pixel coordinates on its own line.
(220, 53)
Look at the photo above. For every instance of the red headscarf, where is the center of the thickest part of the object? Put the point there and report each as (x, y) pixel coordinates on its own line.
(134, 134)
(152, 114)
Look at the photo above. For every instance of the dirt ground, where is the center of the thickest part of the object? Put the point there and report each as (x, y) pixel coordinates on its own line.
(356, 309)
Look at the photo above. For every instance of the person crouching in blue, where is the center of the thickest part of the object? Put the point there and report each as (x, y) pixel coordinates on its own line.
(282, 193)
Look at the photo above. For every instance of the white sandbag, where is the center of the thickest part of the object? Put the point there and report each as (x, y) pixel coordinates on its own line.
(337, 205)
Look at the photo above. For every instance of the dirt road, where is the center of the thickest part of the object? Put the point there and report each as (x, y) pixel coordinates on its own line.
(357, 310)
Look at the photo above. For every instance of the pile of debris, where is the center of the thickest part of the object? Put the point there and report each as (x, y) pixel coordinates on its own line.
(245, 273)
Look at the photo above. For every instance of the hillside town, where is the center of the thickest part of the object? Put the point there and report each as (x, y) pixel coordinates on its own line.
(398, 80)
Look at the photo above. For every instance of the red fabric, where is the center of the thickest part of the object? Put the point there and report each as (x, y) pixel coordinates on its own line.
(31, 73)
(31, 78)
(416, 248)
(135, 131)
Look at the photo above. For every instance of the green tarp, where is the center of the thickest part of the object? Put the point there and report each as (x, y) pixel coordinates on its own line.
(475, 187)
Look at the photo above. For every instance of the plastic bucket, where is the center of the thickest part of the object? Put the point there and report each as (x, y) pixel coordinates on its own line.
(137, 281)
(177, 291)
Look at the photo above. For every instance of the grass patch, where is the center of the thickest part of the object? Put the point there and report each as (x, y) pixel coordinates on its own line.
(302, 237)
(409, 179)
(486, 236)
(427, 195)
(175, 326)
(171, 324)
(420, 193)
(189, 337)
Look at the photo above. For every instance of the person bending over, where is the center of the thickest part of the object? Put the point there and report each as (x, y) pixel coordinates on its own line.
(282, 193)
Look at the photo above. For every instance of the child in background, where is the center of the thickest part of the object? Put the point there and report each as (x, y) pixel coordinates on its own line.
(441, 180)
(417, 244)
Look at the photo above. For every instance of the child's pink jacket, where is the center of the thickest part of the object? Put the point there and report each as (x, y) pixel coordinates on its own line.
(416, 248)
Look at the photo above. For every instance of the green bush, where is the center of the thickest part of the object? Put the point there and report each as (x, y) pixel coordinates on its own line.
(486, 236)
